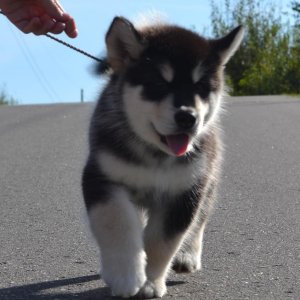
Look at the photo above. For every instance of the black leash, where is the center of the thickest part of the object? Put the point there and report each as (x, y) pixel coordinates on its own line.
(74, 48)
(69, 45)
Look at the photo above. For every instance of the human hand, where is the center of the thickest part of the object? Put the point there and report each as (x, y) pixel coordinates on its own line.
(39, 16)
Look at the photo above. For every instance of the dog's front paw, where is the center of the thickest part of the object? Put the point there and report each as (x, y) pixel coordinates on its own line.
(152, 290)
(125, 278)
(126, 286)
(186, 262)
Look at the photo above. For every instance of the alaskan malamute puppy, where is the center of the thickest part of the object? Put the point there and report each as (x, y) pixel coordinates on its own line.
(155, 153)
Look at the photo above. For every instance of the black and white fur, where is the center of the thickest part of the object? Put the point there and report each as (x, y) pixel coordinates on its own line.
(147, 201)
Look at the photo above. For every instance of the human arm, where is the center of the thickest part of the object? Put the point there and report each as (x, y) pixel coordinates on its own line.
(39, 16)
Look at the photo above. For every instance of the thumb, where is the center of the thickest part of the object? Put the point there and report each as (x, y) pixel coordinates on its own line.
(53, 9)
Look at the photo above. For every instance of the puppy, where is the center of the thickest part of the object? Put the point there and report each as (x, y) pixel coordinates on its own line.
(155, 152)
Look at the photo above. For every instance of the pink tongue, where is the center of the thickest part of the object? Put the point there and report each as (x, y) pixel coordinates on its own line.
(178, 143)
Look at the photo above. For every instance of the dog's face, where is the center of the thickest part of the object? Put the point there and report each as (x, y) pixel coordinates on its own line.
(172, 80)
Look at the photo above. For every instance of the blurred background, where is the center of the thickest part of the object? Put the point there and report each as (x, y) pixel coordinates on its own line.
(37, 70)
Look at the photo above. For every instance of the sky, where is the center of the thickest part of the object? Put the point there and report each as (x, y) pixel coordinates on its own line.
(37, 70)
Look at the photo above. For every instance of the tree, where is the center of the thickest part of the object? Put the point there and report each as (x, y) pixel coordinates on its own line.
(296, 10)
(268, 59)
(5, 99)
(296, 7)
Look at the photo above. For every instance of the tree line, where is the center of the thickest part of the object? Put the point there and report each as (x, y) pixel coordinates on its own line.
(268, 61)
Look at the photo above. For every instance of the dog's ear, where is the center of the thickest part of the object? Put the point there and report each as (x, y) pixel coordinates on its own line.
(123, 43)
(227, 46)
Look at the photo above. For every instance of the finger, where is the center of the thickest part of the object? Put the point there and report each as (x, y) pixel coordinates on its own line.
(59, 6)
(30, 26)
(22, 24)
(47, 24)
(58, 28)
(71, 29)
(53, 9)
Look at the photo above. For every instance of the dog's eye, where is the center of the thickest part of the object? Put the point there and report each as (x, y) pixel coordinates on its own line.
(155, 88)
(148, 60)
(158, 83)
(202, 88)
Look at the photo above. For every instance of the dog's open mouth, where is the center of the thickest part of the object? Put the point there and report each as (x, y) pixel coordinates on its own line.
(178, 143)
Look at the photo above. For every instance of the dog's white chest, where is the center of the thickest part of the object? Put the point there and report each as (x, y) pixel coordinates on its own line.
(172, 179)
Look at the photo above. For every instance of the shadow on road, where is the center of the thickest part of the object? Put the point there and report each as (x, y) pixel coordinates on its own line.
(37, 291)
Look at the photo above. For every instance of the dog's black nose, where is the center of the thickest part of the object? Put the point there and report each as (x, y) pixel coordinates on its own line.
(185, 119)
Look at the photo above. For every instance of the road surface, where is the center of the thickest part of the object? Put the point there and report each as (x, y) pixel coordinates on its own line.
(252, 242)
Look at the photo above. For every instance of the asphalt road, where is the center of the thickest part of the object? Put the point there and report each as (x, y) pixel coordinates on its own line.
(252, 243)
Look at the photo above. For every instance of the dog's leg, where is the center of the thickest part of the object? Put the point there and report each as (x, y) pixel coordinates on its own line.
(188, 258)
(160, 251)
(118, 229)
(163, 236)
